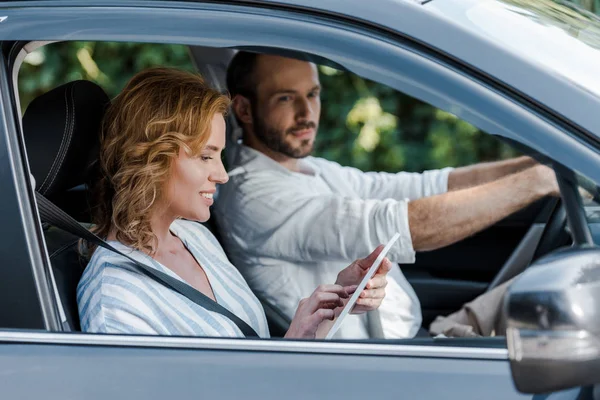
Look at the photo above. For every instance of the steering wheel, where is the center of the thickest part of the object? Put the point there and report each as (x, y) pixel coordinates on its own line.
(536, 242)
(570, 204)
(555, 233)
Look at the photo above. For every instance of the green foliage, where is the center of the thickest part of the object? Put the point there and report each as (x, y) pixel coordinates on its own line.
(385, 130)
(109, 64)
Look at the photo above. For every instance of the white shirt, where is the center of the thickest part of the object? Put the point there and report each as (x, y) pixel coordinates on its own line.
(288, 232)
(113, 297)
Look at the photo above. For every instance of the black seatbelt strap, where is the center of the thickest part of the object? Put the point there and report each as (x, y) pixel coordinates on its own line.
(55, 216)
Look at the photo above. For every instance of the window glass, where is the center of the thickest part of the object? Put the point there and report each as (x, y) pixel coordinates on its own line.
(375, 128)
(109, 64)
(590, 196)
(363, 123)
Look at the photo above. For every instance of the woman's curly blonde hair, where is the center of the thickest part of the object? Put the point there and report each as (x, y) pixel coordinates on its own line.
(160, 111)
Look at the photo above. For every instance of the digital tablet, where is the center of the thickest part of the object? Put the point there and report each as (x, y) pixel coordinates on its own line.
(361, 286)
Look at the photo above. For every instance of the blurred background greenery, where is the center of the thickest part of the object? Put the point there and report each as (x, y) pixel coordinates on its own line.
(363, 123)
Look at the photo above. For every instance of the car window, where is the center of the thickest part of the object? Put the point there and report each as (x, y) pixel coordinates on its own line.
(363, 124)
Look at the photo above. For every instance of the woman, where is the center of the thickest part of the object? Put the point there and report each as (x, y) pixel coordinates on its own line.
(160, 156)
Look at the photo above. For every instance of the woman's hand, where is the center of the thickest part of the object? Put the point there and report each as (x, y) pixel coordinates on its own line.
(319, 307)
(373, 294)
(314, 314)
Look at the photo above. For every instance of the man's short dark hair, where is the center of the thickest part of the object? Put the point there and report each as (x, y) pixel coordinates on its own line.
(240, 74)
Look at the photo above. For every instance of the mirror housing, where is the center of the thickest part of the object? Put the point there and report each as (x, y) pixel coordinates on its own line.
(553, 322)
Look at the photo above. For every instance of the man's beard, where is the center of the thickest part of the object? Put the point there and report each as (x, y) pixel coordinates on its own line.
(274, 139)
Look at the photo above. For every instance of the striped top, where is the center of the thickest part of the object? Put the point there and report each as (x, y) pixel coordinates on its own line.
(114, 298)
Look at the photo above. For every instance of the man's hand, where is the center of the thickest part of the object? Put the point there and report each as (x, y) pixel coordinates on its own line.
(373, 294)
(547, 180)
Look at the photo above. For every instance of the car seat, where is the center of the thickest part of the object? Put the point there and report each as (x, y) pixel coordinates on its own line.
(61, 129)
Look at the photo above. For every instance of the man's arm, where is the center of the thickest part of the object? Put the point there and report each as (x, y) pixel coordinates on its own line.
(478, 174)
(441, 220)
(267, 217)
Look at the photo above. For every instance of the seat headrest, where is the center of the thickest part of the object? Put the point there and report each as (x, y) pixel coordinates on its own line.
(62, 135)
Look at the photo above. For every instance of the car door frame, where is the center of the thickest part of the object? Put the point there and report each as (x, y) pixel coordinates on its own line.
(24, 278)
(179, 24)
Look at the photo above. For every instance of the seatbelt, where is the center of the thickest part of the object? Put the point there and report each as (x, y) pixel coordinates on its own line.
(55, 216)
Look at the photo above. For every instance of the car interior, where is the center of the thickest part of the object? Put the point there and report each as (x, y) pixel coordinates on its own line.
(60, 130)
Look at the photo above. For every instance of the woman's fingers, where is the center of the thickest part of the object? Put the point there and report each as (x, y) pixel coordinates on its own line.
(354, 273)
(332, 289)
(372, 294)
(365, 263)
(325, 303)
(327, 296)
(317, 318)
(326, 300)
(368, 304)
(385, 267)
(337, 289)
(351, 289)
(329, 301)
(369, 299)
(378, 281)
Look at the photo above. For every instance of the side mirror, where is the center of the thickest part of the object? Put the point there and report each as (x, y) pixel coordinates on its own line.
(553, 322)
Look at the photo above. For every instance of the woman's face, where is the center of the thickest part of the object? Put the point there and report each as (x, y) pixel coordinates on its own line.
(194, 179)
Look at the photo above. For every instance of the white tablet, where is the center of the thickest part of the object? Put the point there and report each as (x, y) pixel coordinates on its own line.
(361, 287)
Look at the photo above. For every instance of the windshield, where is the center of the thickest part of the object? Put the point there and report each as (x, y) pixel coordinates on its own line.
(560, 36)
(590, 197)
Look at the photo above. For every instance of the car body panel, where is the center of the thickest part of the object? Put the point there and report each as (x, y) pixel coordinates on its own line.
(133, 367)
(101, 366)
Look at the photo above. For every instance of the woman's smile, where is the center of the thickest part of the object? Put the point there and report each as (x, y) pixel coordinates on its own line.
(207, 197)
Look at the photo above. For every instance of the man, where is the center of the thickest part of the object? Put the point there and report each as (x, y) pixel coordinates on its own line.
(290, 221)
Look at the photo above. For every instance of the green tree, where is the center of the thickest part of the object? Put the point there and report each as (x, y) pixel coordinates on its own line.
(109, 64)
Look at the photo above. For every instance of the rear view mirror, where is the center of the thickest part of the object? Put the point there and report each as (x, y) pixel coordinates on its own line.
(553, 322)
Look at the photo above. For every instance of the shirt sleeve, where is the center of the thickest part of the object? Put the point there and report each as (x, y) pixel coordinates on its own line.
(265, 216)
(384, 185)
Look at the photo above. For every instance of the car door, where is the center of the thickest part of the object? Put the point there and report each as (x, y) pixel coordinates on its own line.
(57, 364)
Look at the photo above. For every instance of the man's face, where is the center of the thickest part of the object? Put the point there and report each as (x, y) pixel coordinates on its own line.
(287, 107)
